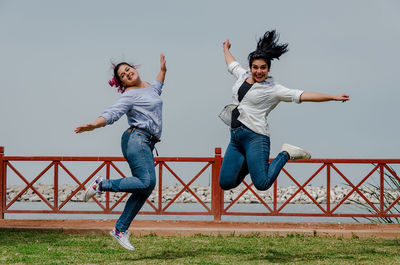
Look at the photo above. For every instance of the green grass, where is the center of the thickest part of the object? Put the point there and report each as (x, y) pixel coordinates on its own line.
(58, 248)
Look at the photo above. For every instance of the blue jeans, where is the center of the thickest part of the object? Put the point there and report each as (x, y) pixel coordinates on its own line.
(248, 152)
(137, 148)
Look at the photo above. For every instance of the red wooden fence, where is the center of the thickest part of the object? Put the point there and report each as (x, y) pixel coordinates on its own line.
(217, 208)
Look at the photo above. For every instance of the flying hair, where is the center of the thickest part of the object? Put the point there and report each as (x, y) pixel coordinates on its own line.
(268, 48)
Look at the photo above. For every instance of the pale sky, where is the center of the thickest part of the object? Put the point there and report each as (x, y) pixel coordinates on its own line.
(55, 64)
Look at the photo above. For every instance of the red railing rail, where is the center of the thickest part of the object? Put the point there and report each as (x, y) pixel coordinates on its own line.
(217, 207)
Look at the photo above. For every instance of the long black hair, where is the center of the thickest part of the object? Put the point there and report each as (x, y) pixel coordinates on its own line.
(268, 48)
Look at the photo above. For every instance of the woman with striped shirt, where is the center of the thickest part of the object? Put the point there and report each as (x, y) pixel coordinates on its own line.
(142, 104)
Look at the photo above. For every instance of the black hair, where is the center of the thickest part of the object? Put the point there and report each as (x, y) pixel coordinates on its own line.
(268, 48)
(116, 67)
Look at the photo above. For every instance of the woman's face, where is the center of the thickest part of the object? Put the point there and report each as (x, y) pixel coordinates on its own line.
(128, 75)
(259, 70)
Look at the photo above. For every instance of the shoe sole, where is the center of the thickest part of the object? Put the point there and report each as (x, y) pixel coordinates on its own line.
(119, 242)
(86, 197)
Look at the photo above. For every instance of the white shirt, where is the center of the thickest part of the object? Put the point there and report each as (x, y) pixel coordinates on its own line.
(258, 102)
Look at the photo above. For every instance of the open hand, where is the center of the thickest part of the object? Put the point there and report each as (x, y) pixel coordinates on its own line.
(163, 66)
(84, 128)
(342, 97)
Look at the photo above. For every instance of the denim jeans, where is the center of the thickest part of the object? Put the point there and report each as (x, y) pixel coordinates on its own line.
(248, 152)
(137, 149)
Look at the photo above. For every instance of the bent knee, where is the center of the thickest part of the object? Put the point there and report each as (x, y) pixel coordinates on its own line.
(262, 187)
(226, 185)
(149, 186)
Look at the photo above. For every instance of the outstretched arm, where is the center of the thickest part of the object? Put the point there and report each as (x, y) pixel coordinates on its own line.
(163, 69)
(228, 56)
(99, 122)
(318, 97)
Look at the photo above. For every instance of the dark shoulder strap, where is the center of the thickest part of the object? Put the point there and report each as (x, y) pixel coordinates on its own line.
(243, 89)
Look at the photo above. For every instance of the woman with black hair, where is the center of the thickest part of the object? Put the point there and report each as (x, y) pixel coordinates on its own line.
(255, 95)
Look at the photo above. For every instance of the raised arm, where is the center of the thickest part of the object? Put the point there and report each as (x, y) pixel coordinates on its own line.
(318, 97)
(228, 56)
(99, 122)
(163, 69)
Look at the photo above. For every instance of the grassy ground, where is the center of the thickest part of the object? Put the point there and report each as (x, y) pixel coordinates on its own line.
(57, 248)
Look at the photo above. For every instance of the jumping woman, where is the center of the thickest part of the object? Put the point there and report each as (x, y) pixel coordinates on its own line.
(255, 95)
(141, 103)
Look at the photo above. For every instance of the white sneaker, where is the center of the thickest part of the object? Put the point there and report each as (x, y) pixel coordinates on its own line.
(122, 238)
(92, 189)
(295, 152)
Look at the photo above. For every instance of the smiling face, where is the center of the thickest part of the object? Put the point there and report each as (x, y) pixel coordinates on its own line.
(128, 75)
(259, 70)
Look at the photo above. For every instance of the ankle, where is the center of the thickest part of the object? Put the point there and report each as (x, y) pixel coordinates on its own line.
(287, 155)
(118, 231)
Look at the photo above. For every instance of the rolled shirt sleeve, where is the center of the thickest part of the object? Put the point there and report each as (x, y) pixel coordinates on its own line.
(287, 94)
(235, 69)
(115, 112)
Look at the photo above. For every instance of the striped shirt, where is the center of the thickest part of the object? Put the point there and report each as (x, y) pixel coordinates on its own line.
(142, 106)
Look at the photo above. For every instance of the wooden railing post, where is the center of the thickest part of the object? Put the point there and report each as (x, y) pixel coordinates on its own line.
(217, 194)
(2, 183)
